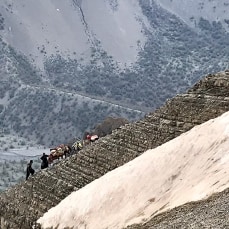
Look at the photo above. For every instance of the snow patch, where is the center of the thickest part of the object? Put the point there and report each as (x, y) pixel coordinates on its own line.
(188, 168)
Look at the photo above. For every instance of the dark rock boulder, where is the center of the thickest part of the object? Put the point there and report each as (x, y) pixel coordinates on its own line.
(108, 125)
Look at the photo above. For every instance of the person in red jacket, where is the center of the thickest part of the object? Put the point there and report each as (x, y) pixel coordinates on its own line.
(88, 137)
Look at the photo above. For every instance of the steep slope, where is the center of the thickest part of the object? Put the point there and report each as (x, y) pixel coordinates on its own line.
(206, 100)
(125, 61)
(35, 32)
(32, 109)
(188, 168)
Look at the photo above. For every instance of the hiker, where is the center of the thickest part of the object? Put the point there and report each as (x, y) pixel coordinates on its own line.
(29, 169)
(77, 146)
(88, 137)
(66, 151)
(44, 163)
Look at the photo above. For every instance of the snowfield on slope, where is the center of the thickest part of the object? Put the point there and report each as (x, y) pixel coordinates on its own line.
(188, 168)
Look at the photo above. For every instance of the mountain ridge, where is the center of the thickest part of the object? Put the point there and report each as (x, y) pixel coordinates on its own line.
(206, 100)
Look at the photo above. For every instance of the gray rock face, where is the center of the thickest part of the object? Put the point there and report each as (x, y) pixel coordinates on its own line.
(24, 203)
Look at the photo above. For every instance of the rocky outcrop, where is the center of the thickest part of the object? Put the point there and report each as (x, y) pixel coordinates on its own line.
(24, 203)
(108, 125)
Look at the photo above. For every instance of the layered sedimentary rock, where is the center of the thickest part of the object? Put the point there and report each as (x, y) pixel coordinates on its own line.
(23, 204)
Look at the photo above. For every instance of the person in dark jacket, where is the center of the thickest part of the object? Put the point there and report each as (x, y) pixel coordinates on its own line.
(44, 163)
(29, 169)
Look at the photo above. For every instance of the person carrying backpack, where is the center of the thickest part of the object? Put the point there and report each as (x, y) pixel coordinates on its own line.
(29, 169)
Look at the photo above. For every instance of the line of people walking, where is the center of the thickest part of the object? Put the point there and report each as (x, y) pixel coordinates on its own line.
(55, 154)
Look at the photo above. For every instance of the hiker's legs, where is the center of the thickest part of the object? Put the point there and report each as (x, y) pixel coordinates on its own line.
(27, 176)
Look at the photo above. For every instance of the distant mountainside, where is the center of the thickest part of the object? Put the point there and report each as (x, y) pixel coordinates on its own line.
(206, 100)
(66, 65)
(192, 11)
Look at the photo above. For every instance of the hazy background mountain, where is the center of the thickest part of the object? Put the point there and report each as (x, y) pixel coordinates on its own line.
(66, 65)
